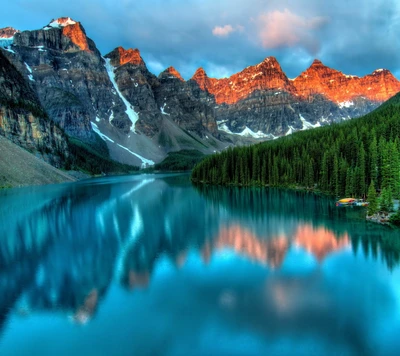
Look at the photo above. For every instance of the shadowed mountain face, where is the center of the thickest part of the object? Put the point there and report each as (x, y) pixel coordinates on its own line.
(23, 120)
(142, 117)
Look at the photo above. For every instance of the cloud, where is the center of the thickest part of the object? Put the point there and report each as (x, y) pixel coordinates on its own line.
(346, 35)
(223, 31)
(285, 29)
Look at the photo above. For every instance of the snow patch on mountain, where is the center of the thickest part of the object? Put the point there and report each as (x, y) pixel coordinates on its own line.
(96, 129)
(162, 109)
(30, 76)
(247, 132)
(132, 115)
(345, 104)
(59, 23)
(290, 130)
(223, 127)
(308, 125)
(145, 162)
(9, 50)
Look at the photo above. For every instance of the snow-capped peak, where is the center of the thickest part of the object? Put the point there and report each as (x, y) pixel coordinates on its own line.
(61, 22)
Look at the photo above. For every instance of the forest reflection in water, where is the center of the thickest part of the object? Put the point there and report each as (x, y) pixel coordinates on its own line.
(64, 247)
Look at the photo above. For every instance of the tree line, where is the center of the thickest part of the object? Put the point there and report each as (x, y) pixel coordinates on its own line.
(343, 159)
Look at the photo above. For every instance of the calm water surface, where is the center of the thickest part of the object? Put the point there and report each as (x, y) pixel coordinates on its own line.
(150, 265)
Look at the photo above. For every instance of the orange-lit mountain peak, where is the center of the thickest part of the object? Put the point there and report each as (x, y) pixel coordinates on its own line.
(316, 64)
(172, 71)
(120, 56)
(380, 85)
(199, 74)
(320, 242)
(8, 32)
(269, 66)
(130, 56)
(267, 75)
(319, 70)
(270, 62)
(77, 35)
(201, 78)
(71, 29)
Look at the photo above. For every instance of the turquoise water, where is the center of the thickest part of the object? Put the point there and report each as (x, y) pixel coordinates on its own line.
(150, 265)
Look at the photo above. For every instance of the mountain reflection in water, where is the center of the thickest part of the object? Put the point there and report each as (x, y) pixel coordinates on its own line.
(67, 249)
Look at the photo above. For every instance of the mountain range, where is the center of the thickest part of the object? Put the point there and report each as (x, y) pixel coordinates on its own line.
(56, 88)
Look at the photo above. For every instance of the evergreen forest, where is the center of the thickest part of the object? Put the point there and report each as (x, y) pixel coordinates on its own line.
(345, 159)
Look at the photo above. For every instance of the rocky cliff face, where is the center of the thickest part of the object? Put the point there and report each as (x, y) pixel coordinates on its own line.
(155, 99)
(135, 84)
(177, 99)
(23, 120)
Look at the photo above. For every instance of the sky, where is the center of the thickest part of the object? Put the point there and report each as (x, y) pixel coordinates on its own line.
(225, 36)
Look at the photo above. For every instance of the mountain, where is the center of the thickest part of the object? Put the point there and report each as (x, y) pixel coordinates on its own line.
(142, 117)
(342, 89)
(24, 121)
(341, 160)
(261, 101)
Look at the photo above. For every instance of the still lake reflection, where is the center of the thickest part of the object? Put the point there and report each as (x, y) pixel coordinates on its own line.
(149, 265)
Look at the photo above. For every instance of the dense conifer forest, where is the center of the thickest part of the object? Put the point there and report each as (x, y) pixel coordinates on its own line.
(345, 159)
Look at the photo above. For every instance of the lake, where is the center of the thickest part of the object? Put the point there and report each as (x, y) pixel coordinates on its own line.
(151, 265)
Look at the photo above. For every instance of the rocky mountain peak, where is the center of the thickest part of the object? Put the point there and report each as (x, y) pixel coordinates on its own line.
(318, 67)
(201, 78)
(269, 67)
(380, 85)
(173, 72)
(342, 88)
(71, 29)
(317, 63)
(381, 72)
(77, 35)
(60, 22)
(199, 73)
(271, 62)
(120, 56)
(8, 32)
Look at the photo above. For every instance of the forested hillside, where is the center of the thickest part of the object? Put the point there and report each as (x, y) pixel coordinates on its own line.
(341, 159)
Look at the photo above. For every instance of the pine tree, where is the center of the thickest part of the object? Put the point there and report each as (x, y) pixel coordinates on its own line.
(386, 200)
(362, 172)
(373, 154)
(372, 199)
